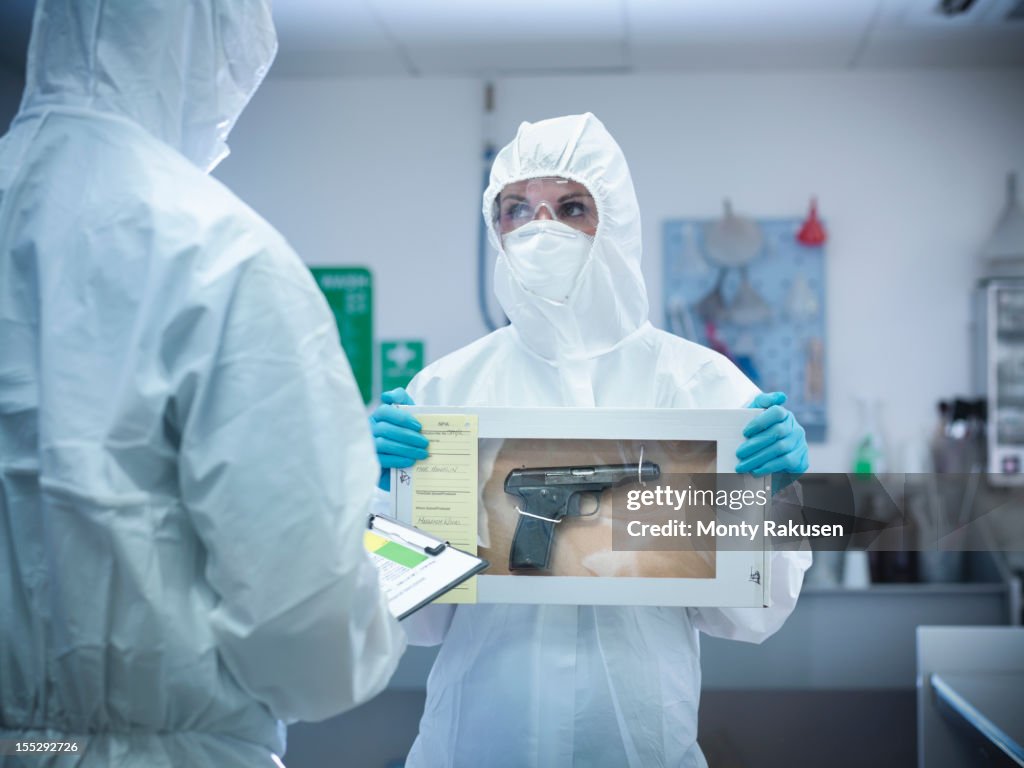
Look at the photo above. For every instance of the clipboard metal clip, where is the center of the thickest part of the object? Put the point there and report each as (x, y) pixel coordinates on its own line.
(432, 550)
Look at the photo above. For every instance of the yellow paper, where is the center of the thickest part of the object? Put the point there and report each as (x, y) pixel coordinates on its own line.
(445, 489)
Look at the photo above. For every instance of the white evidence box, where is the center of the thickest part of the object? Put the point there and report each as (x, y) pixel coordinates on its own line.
(498, 479)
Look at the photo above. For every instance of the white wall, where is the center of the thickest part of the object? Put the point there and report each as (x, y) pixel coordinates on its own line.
(908, 167)
(383, 173)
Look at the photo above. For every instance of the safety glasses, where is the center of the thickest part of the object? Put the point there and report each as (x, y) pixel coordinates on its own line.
(545, 198)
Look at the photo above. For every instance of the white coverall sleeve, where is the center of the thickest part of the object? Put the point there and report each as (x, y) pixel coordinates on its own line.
(277, 472)
(429, 625)
(754, 625)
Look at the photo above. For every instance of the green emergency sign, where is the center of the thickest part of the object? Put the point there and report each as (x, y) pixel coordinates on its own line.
(399, 362)
(349, 292)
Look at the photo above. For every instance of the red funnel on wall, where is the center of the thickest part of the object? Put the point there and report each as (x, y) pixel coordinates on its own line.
(812, 233)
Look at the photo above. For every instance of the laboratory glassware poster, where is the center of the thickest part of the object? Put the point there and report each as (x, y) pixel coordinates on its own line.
(761, 305)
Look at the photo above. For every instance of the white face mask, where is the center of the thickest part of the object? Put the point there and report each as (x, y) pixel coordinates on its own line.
(546, 257)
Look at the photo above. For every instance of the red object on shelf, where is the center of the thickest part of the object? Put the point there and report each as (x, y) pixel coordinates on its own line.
(714, 341)
(812, 233)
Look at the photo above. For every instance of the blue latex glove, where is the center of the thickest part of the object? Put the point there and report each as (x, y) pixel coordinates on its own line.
(775, 440)
(396, 435)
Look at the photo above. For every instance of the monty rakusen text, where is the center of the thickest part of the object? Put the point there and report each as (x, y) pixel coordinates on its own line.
(667, 498)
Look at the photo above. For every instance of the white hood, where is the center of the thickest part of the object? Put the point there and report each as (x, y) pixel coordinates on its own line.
(609, 301)
(182, 69)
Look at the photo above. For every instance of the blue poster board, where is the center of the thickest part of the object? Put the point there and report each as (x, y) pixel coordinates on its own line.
(767, 316)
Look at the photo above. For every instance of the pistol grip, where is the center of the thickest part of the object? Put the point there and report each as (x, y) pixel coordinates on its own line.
(531, 545)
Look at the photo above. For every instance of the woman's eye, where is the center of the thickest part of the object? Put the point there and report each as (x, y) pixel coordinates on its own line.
(517, 211)
(573, 210)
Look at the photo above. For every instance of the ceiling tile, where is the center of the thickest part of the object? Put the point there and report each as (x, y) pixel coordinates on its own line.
(924, 15)
(728, 20)
(324, 24)
(742, 55)
(527, 58)
(989, 48)
(538, 37)
(741, 35)
(486, 23)
(910, 33)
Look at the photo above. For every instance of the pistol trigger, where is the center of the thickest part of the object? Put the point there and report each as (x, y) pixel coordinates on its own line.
(573, 507)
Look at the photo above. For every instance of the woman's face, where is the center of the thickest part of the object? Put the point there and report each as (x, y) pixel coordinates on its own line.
(546, 198)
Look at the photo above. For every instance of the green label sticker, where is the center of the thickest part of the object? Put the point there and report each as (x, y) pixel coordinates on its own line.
(349, 292)
(399, 362)
(396, 553)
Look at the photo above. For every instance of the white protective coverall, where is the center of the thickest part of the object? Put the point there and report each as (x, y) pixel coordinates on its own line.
(552, 686)
(185, 466)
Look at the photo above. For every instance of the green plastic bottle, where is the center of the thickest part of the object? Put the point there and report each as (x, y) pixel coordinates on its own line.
(869, 456)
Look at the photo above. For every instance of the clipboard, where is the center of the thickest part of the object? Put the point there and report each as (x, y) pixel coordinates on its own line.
(414, 567)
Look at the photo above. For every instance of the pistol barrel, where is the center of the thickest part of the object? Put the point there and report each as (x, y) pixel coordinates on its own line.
(602, 474)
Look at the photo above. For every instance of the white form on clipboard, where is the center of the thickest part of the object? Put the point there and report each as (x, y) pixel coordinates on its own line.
(415, 567)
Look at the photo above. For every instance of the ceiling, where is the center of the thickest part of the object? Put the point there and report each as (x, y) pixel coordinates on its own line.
(536, 37)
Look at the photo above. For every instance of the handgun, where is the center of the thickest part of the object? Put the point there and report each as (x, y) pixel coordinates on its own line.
(550, 494)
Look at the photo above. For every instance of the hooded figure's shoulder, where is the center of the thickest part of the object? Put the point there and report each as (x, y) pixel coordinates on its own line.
(155, 198)
(118, 213)
(456, 377)
(199, 207)
(678, 349)
(697, 373)
(115, 169)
